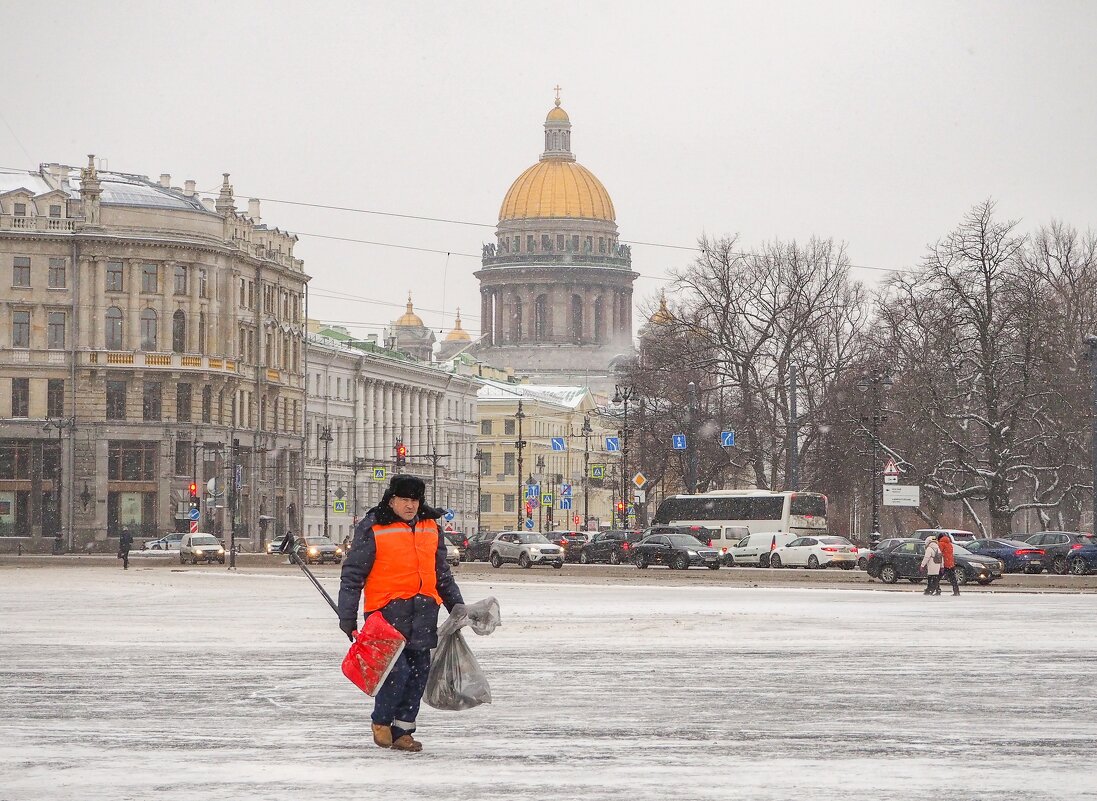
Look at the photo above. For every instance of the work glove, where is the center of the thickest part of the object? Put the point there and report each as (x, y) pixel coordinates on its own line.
(349, 627)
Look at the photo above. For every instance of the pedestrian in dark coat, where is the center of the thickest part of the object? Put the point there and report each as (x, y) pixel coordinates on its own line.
(125, 542)
(397, 563)
(945, 541)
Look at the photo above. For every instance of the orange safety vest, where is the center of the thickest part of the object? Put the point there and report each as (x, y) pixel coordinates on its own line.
(404, 565)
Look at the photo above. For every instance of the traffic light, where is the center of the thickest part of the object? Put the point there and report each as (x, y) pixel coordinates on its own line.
(621, 509)
(529, 509)
(401, 454)
(193, 495)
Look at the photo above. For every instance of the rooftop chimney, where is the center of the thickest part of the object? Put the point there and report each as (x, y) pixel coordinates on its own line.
(253, 209)
(165, 180)
(188, 187)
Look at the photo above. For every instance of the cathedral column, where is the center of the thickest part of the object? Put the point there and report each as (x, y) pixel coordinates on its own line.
(359, 419)
(487, 320)
(530, 323)
(386, 422)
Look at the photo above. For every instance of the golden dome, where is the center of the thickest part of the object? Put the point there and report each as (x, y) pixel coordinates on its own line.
(410, 318)
(557, 114)
(458, 334)
(557, 188)
(662, 314)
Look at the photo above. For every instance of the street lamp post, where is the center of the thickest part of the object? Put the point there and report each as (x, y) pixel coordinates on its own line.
(325, 437)
(540, 506)
(61, 424)
(876, 380)
(587, 431)
(622, 393)
(479, 457)
(519, 444)
(1091, 341)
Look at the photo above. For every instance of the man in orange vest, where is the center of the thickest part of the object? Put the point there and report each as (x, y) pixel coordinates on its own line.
(397, 562)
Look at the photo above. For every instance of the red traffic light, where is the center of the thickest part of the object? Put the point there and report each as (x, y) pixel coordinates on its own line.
(401, 449)
(529, 508)
(620, 506)
(193, 488)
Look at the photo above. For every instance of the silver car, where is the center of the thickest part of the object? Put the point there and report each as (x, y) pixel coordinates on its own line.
(527, 548)
(200, 547)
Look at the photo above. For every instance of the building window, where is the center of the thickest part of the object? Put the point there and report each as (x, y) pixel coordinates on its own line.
(180, 279)
(116, 400)
(114, 277)
(508, 464)
(20, 271)
(508, 503)
(207, 404)
(55, 211)
(132, 461)
(485, 464)
(57, 274)
(485, 502)
(20, 329)
(201, 332)
(149, 328)
(55, 331)
(508, 425)
(546, 243)
(20, 210)
(114, 328)
(152, 401)
(178, 331)
(485, 427)
(20, 397)
(182, 457)
(148, 278)
(601, 244)
(203, 289)
(182, 403)
(55, 397)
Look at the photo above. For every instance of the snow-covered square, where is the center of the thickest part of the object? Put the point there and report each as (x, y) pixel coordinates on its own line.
(207, 685)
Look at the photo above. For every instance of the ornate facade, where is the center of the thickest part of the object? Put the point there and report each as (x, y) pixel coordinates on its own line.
(556, 285)
(149, 340)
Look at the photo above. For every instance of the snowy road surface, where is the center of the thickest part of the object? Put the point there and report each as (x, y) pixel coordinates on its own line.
(202, 685)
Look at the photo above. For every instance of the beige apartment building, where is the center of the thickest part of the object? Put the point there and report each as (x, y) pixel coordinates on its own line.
(149, 339)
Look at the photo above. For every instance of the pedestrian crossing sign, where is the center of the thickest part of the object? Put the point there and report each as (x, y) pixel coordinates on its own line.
(597, 471)
(339, 506)
(379, 473)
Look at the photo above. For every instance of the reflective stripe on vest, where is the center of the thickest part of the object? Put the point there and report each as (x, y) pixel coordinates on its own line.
(404, 565)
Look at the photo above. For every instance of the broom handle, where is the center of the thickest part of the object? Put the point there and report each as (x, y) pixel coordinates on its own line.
(297, 560)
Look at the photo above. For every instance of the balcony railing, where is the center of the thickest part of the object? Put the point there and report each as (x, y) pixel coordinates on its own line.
(165, 361)
(11, 222)
(567, 259)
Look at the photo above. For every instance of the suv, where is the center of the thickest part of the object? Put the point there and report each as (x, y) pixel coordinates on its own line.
(527, 548)
(610, 546)
(317, 550)
(1060, 546)
(478, 546)
(199, 547)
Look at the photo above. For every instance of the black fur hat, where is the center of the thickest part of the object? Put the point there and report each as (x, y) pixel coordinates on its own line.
(406, 486)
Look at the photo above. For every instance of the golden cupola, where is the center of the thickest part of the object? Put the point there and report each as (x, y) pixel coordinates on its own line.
(458, 334)
(409, 318)
(557, 186)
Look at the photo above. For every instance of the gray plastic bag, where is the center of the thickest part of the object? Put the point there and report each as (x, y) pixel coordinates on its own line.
(456, 680)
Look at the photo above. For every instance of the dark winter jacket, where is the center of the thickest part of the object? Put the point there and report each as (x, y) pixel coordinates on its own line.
(417, 617)
(125, 541)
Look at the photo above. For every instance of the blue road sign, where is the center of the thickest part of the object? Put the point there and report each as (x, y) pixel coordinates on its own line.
(546, 499)
(557, 443)
(565, 503)
(727, 439)
(529, 522)
(597, 471)
(339, 506)
(532, 491)
(194, 513)
(613, 444)
(449, 515)
(678, 442)
(565, 490)
(378, 474)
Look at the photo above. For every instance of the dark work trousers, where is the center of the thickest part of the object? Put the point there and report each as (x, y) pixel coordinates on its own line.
(951, 573)
(933, 587)
(124, 555)
(397, 702)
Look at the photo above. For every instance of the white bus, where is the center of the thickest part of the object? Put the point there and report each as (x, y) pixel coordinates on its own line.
(799, 513)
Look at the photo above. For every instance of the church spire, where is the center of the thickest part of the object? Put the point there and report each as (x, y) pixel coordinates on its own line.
(557, 133)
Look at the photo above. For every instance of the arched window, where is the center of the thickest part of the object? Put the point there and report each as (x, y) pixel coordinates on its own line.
(541, 328)
(148, 329)
(577, 318)
(599, 320)
(178, 331)
(114, 328)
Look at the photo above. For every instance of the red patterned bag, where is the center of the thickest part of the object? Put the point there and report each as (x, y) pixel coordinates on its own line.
(373, 653)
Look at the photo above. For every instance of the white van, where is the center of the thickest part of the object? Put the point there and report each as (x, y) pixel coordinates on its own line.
(955, 534)
(724, 538)
(754, 549)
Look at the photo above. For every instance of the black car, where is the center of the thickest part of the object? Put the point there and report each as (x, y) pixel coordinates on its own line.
(864, 555)
(905, 561)
(478, 546)
(571, 541)
(676, 551)
(1057, 547)
(609, 546)
(317, 550)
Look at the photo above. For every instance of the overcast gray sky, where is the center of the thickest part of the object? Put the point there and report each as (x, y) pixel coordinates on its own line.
(878, 124)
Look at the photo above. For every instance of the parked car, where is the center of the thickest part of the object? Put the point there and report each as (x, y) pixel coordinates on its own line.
(274, 546)
(815, 552)
(1058, 546)
(905, 561)
(1016, 556)
(458, 540)
(453, 553)
(954, 534)
(527, 548)
(169, 542)
(571, 541)
(676, 551)
(1083, 560)
(723, 539)
(609, 546)
(478, 546)
(754, 549)
(200, 547)
(317, 550)
(865, 554)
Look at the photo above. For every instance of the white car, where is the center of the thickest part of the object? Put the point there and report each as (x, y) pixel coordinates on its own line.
(815, 552)
(201, 547)
(755, 549)
(527, 548)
